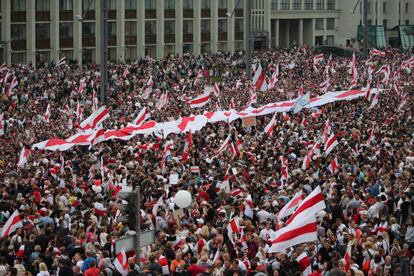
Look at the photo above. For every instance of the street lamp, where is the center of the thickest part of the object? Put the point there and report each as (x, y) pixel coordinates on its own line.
(248, 41)
(365, 19)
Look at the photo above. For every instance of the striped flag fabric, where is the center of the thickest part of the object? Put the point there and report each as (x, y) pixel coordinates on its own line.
(248, 206)
(354, 72)
(270, 126)
(61, 61)
(330, 144)
(290, 207)
(12, 224)
(375, 52)
(313, 203)
(200, 100)
(2, 124)
(46, 116)
(121, 263)
(304, 264)
(95, 119)
(259, 79)
(24, 154)
(333, 167)
(142, 116)
(301, 230)
(233, 228)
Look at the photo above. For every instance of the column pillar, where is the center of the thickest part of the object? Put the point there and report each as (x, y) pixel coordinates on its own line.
(313, 32)
(267, 22)
(6, 26)
(54, 30)
(276, 33)
(230, 26)
(288, 33)
(300, 42)
(197, 27)
(77, 32)
(214, 25)
(140, 28)
(160, 28)
(98, 17)
(31, 32)
(179, 27)
(120, 30)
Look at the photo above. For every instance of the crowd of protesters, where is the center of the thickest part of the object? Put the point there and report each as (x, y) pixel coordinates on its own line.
(369, 199)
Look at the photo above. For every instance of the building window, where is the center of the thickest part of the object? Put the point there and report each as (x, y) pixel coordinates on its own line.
(205, 47)
(130, 4)
(18, 31)
(42, 5)
(66, 53)
(238, 25)
(308, 5)
(18, 5)
(88, 5)
(169, 50)
(205, 4)
(65, 5)
(169, 4)
(205, 26)
(18, 58)
(150, 27)
(188, 4)
(112, 28)
(88, 29)
(222, 46)
(238, 45)
(130, 28)
(407, 22)
(330, 40)
(222, 4)
(66, 30)
(169, 27)
(151, 51)
(319, 4)
(112, 54)
(42, 31)
(369, 22)
(222, 25)
(385, 23)
(330, 23)
(297, 4)
(330, 4)
(130, 53)
(285, 5)
(150, 4)
(319, 23)
(42, 57)
(384, 7)
(406, 7)
(111, 4)
(274, 4)
(187, 48)
(187, 26)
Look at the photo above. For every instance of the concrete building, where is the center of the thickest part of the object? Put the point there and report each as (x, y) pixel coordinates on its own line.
(35, 31)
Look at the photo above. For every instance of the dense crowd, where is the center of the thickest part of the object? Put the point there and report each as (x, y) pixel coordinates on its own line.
(369, 199)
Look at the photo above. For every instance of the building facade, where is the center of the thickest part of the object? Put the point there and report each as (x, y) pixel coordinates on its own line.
(36, 31)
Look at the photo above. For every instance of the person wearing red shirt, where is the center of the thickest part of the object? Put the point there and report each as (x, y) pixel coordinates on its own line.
(195, 269)
(93, 270)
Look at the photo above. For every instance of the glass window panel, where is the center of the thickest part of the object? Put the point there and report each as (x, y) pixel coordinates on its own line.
(66, 30)
(65, 5)
(88, 5)
(42, 5)
(169, 27)
(285, 5)
(319, 23)
(319, 4)
(150, 4)
(169, 4)
(330, 4)
(150, 27)
(222, 4)
(222, 25)
(88, 29)
(309, 5)
(187, 26)
(18, 5)
(205, 4)
(130, 4)
(130, 28)
(112, 28)
(330, 23)
(18, 31)
(111, 4)
(205, 26)
(238, 25)
(188, 4)
(274, 4)
(297, 4)
(42, 31)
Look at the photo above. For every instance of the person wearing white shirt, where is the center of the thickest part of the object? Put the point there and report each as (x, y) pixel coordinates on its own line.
(266, 233)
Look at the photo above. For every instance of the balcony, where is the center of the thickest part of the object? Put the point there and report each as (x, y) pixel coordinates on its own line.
(130, 40)
(222, 36)
(66, 15)
(18, 45)
(169, 38)
(130, 14)
(66, 42)
(112, 14)
(42, 43)
(188, 13)
(150, 13)
(42, 16)
(188, 38)
(169, 13)
(205, 13)
(205, 37)
(18, 16)
(88, 41)
(150, 39)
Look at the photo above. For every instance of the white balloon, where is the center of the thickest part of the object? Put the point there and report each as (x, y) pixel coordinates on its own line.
(183, 199)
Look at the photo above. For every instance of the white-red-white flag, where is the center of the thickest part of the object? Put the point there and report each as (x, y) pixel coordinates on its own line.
(374, 100)
(238, 84)
(12, 224)
(46, 116)
(259, 79)
(163, 262)
(333, 168)
(291, 206)
(375, 52)
(121, 263)
(324, 86)
(187, 146)
(252, 96)
(313, 203)
(166, 154)
(275, 77)
(386, 70)
(201, 100)
(233, 228)
(125, 74)
(12, 85)
(371, 137)
(248, 206)
(24, 154)
(216, 90)
(330, 144)
(94, 101)
(142, 116)
(304, 264)
(157, 205)
(270, 126)
(224, 146)
(79, 112)
(61, 61)
(99, 209)
(150, 82)
(2, 124)
(317, 60)
(301, 230)
(347, 256)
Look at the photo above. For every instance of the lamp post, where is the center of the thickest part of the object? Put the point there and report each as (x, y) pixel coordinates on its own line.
(248, 39)
(365, 22)
(103, 28)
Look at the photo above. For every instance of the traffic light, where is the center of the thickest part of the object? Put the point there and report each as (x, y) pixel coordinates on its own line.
(130, 210)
